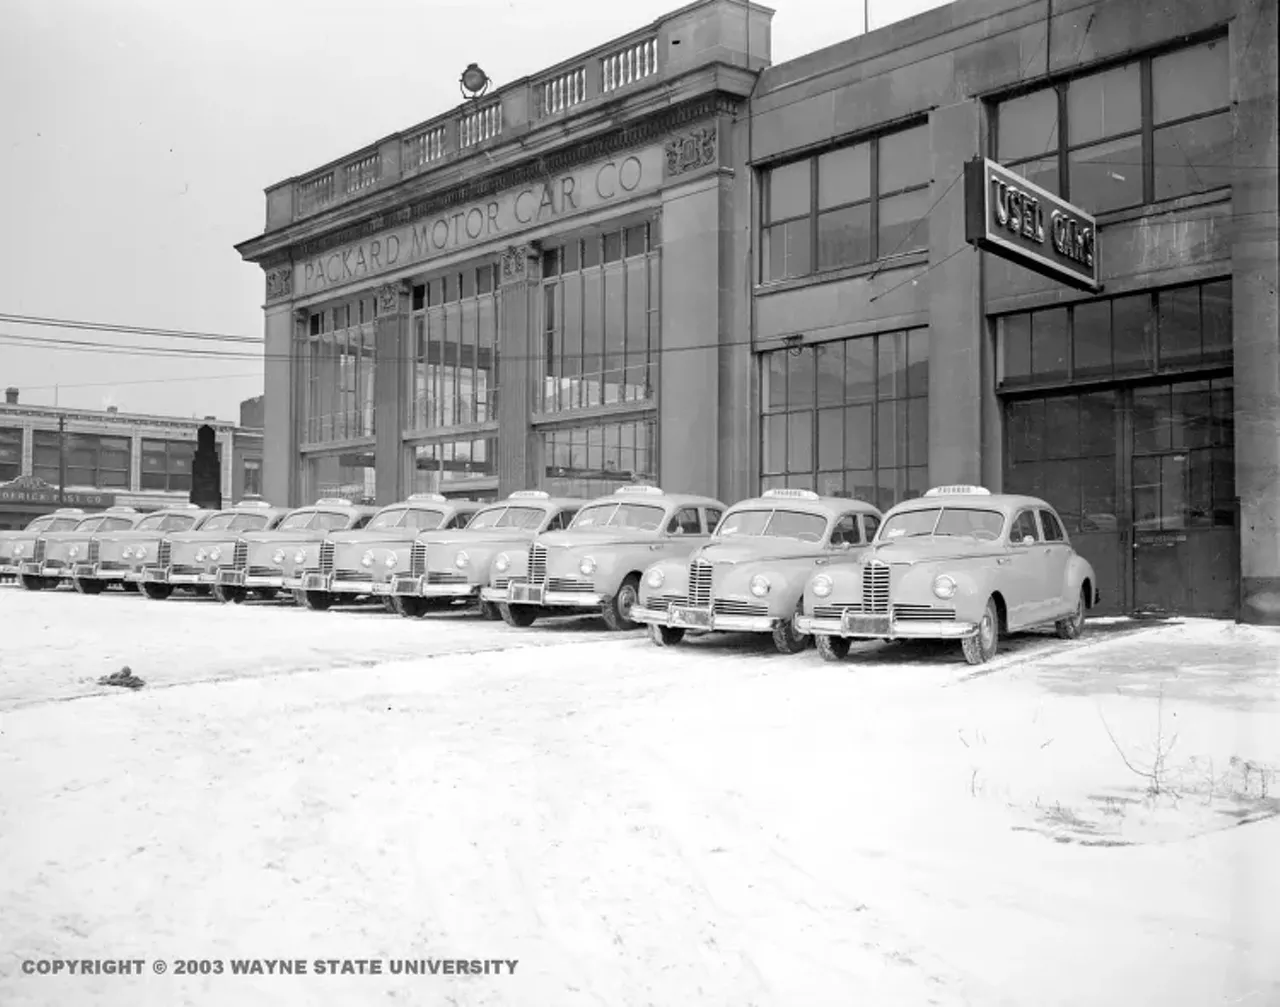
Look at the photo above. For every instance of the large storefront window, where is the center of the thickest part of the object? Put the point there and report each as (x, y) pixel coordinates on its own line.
(1132, 335)
(10, 453)
(849, 206)
(454, 466)
(453, 377)
(600, 314)
(91, 459)
(166, 465)
(350, 476)
(1151, 129)
(595, 460)
(848, 418)
(338, 363)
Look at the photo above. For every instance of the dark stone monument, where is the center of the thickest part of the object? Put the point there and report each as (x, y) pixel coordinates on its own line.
(206, 471)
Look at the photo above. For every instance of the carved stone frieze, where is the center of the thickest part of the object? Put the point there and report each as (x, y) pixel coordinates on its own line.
(389, 297)
(519, 262)
(691, 150)
(280, 282)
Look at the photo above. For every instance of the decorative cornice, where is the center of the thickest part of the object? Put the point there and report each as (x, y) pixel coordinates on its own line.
(584, 151)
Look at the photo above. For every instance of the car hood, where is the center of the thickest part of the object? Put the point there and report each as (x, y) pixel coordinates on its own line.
(495, 537)
(56, 537)
(755, 549)
(932, 550)
(131, 536)
(288, 535)
(212, 535)
(572, 539)
(379, 536)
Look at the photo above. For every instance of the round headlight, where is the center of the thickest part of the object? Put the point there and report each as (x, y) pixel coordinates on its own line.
(140, 552)
(126, 553)
(19, 549)
(277, 556)
(822, 586)
(655, 577)
(214, 554)
(461, 560)
(502, 563)
(367, 559)
(201, 555)
(75, 551)
(390, 561)
(587, 567)
(944, 586)
(760, 585)
(300, 556)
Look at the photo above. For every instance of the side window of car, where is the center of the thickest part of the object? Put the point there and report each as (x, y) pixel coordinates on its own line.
(1052, 527)
(871, 523)
(685, 522)
(361, 521)
(1024, 527)
(846, 531)
(561, 520)
(457, 521)
(713, 519)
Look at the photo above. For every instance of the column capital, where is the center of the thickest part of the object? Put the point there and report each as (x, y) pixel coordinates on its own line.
(393, 298)
(520, 263)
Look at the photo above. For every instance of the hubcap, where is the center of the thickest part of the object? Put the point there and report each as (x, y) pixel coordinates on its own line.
(986, 630)
(626, 600)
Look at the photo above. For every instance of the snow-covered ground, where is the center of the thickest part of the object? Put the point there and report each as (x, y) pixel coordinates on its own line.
(712, 824)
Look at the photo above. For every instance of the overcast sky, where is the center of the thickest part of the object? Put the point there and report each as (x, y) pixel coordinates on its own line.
(140, 135)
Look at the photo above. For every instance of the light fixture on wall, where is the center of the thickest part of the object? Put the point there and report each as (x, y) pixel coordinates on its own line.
(474, 82)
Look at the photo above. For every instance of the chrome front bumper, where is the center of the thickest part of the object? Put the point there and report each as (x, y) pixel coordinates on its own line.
(524, 593)
(705, 619)
(885, 627)
(10, 569)
(330, 584)
(420, 587)
(161, 575)
(94, 571)
(238, 578)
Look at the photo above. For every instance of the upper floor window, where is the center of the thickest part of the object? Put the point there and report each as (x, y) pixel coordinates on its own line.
(253, 476)
(166, 465)
(1152, 129)
(10, 453)
(338, 372)
(90, 459)
(849, 206)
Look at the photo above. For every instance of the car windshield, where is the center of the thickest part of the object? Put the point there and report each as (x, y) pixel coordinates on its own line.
(219, 522)
(639, 517)
(295, 522)
(64, 523)
(41, 523)
(153, 523)
(89, 524)
(247, 522)
(507, 517)
(772, 524)
(388, 519)
(166, 522)
(970, 522)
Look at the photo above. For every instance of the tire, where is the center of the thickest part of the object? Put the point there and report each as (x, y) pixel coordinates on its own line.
(157, 592)
(786, 639)
(982, 646)
(228, 595)
(31, 582)
(1072, 626)
(489, 611)
(317, 601)
(388, 605)
(87, 586)
(666, 636)
(519, 616)
(266, 593)
(410, 606)
(617, 610)
(202, 590)
(832, 648)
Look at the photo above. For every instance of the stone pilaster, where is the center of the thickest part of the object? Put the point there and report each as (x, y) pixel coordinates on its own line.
(517, 365)
(390, 381)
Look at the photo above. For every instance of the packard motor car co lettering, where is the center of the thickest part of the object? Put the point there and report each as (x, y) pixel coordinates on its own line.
(453, 229)
(1021, 213)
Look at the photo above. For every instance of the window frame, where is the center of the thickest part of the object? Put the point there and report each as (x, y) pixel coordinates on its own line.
(1035, 524)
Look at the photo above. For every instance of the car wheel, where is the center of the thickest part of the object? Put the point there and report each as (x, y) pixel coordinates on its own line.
(157, 592)
(31, 582)
(266, 593)
(317, 601)
(1072, 626)
(86, 586)
(617, 610)
(489, 610)
(520, 616)
(982, 646)
(409, 606)
(666, 636)
(228, 595)
(787, 639)
(832, 648)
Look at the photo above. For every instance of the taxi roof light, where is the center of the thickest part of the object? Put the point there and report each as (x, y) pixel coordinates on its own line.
(530, 495)
(433, 497)
(790, 494)
(121, 509)
(639, 490)
(958, 491)
(255, 502)
(333, 502)
(69, 510)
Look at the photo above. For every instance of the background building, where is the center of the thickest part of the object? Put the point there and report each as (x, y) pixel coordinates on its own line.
(110, 458)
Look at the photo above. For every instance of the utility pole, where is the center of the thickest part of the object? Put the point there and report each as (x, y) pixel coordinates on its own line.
(866, 16)
(62, 460)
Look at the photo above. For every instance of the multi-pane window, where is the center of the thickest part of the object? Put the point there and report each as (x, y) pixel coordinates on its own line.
(849, 206)
(440, 463)
(166, 465)
(848, 418)
(91, 459)
(338, 363)
(600, 312)
(453, 379)
(348, 476)
(1134, 334)
(590, 461)
(10, 453)
(253, 476)
(1152, 129)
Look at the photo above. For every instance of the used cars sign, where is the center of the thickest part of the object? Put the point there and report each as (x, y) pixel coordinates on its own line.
(1010, 217)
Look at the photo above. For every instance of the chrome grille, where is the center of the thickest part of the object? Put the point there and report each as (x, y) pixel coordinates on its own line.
(571, 585)
(264, 571)
(326, 557)
(240, 559)
(37, 553)
(500, 583)
(663, 600)
(725, 606)
(418, 559)
(537, 564)
(924, 613)
(163, 552)
(875, 588)
(353, 577)
(443, 577)
(95, 552)
(185, 569)
(835, 611)
(699, 584)
(112, 564)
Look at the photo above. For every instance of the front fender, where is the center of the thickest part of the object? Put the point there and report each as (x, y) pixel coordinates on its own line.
(787, 582)
(975, 581)
(518, 565)
(675, 579)
(1079, 570)
(846, 587)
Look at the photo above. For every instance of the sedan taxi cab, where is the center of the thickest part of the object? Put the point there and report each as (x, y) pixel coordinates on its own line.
(959, 563)
(190, 560)
(596, 563)
(447, 567)
(118, 557)
(16, 544)
(362, 562)
(55, 553)
(266, 562)
(750, 577)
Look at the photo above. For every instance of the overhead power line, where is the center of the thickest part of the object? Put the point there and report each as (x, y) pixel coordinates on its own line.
(136, 330)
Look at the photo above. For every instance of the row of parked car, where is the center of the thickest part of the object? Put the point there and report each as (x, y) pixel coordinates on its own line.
(958, 563)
